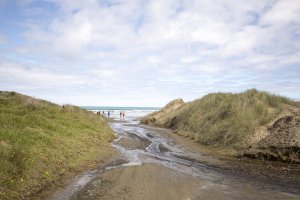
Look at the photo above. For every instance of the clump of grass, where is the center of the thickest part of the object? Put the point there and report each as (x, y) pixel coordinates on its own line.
(40, 141)
(225, 119)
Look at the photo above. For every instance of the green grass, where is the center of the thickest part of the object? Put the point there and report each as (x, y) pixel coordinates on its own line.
(41, 141)
(225, 119)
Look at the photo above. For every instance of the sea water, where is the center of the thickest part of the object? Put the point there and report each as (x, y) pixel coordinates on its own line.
(130, 112)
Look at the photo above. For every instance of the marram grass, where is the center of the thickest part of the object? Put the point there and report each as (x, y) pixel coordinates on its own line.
(41, 141)
(224, 119)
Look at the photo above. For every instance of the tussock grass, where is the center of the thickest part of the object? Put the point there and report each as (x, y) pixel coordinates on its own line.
(41, 141)
(225, 119)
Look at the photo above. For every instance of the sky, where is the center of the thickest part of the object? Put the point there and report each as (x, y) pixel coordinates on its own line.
(148, 52)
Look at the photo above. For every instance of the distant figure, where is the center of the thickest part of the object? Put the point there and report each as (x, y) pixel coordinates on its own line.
(123, 114)
(63, 108)
(108, 114)
(103, 114)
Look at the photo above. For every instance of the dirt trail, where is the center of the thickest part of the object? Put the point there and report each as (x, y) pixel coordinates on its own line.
(156, 164)
(152, 181)
(149, 181)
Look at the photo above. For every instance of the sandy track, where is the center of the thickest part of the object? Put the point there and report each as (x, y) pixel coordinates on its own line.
(148, 181)
(152, 181)
(183, 170)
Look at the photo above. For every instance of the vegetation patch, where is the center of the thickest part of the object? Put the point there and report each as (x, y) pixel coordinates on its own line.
(41, 141)
(233, 120)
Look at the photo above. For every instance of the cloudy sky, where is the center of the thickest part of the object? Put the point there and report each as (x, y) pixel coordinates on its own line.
(148, 52)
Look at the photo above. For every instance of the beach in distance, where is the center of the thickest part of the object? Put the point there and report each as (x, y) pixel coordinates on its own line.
(130, 112)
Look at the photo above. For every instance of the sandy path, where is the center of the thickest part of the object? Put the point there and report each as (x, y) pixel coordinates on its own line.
(155, 182)
(145, 182)
(156, 164)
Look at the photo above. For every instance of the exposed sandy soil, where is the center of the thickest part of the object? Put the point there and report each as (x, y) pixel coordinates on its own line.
(151, 181)
(148, 181)
(152, 117)
(134, 142)
(279, 139)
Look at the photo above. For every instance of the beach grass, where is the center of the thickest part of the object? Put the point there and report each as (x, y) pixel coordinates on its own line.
(41, 141)
(224, 119)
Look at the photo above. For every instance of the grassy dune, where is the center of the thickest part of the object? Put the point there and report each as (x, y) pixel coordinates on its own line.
(224, 119)
(41, 141)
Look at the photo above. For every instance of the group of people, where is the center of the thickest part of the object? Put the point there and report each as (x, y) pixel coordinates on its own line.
(103, 113)
(122, 114)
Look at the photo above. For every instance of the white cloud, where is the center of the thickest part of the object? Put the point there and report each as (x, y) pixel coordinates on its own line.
(19, 74)
(206, 68)
(132, 45)
(228, 26)
(283, 12)
(73, 41)
(106, 74)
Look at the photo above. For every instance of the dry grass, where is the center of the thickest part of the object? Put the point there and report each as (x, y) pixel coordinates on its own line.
(41, 141)
(224, 119)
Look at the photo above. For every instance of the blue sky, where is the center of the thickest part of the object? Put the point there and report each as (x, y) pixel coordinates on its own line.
(146, 53)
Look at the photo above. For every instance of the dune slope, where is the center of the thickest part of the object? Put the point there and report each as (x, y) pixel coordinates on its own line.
(257, 124)
(41, 141)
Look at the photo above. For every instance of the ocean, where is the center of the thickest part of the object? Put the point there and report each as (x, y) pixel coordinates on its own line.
(130, 112)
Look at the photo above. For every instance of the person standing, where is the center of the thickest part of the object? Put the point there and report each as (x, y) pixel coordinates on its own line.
(120, 115)
(108, 114)
(123, 114)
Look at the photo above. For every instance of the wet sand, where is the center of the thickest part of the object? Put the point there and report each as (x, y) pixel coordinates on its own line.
(152, 181)
(156, 164)
(280, 176)
(147, 181)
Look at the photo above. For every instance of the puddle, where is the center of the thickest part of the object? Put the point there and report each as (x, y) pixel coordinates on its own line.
(132, 164)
